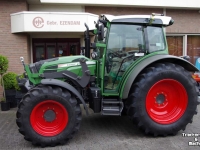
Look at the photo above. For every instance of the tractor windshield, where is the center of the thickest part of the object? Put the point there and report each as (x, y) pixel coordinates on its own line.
(125, 38)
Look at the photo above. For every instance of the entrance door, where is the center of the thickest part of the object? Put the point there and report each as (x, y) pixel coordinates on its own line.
(39, 52)
(51, 48)
(62, 49)
(73, 49)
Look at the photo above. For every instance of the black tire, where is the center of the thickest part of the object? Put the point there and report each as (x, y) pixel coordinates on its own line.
(52, 96)
(137, 105)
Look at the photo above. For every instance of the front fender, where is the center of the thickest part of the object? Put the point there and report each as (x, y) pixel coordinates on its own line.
(129, 79)
(66, 86)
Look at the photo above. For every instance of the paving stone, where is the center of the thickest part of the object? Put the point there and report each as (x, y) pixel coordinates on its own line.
(100, 133)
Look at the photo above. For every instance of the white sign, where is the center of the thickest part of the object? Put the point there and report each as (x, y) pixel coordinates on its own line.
(52, 22)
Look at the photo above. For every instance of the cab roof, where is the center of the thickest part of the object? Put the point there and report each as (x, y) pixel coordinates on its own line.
(142, 19)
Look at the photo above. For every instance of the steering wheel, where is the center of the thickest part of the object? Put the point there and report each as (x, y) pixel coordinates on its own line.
(110, 56)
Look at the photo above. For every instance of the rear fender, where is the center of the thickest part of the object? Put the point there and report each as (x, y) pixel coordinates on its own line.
(66, 86)
(148, 61)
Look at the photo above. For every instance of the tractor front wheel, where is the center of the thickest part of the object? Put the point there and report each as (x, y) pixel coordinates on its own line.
(163, 99)
(48, 116)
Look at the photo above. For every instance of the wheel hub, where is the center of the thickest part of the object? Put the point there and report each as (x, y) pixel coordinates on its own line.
(166, 101)
(49, 115)
(49, 118)
(160, 98)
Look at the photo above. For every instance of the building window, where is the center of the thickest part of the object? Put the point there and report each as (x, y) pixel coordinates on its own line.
(175, 45)
(193, 47)
(51, 48)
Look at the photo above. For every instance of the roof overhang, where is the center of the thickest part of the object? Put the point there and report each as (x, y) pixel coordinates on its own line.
(194, 4)
(28, 21)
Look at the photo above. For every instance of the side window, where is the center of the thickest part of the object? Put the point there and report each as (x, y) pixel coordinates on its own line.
(155, 38)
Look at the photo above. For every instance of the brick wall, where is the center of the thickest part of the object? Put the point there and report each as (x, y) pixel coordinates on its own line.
(12, 45)
(185, 21)
(122, 10)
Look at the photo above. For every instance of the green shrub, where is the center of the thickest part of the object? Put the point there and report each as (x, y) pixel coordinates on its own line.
(2, 99)
(10, 81)
(21, 76)
(3, 64)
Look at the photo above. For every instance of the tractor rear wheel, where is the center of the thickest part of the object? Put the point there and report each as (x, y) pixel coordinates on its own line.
(163, 100)
(48, 116)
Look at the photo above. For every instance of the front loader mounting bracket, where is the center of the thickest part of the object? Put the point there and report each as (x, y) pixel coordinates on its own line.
(80, 80)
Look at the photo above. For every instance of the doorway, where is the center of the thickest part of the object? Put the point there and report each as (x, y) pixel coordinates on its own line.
(55, 47)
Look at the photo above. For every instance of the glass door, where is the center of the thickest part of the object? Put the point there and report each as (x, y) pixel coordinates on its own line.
(73, 49)
(39, 52)
(51, 50)
(62, 49)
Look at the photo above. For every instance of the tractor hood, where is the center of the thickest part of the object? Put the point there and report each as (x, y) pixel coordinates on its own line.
(71, 63)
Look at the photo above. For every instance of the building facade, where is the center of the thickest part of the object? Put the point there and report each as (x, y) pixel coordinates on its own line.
(42, 29)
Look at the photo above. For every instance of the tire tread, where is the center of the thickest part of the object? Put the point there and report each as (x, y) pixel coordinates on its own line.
(27, 100)
(132, 102)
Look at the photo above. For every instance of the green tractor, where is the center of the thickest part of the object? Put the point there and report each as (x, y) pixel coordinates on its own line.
(129, 72)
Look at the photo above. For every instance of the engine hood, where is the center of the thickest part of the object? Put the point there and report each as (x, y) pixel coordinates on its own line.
(71, 63)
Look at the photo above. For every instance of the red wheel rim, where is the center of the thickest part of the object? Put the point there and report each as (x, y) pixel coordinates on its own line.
(49, 118)
(166, 101)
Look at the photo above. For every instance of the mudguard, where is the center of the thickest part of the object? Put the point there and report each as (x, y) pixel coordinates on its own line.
(66, 86)
(125, 88)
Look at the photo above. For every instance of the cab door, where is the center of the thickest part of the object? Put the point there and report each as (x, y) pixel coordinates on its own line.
(123, 42)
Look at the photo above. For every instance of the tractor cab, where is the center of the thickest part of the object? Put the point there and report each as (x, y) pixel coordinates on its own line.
(121, 41)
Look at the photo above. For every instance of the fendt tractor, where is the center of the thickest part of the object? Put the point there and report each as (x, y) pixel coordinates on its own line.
(126, 71)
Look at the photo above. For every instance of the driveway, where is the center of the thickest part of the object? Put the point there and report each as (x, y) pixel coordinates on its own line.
(102, 133)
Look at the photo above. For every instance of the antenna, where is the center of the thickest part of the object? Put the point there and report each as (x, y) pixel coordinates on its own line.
(152, 17)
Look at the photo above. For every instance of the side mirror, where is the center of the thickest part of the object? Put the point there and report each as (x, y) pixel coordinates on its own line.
(101, 32)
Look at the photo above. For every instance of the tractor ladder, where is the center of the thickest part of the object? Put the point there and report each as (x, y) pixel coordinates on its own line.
(112, 107)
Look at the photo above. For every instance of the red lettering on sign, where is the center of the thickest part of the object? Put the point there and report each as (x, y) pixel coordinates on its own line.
(69, 22)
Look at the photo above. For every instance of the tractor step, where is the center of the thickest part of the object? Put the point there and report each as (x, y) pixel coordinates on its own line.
(111, 114)
(111, 102)
(109, 108)
(112, 107)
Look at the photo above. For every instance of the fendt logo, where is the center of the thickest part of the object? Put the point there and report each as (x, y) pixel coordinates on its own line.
(38, 22)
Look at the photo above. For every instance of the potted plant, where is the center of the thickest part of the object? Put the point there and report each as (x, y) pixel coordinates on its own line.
(4, 105)
(20, 89)
(10, 86)
(3, 68)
